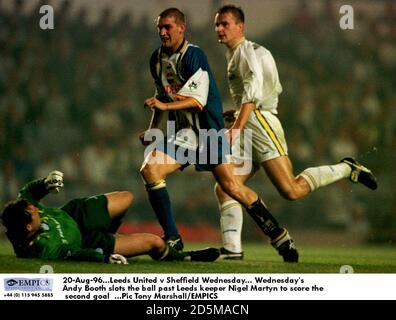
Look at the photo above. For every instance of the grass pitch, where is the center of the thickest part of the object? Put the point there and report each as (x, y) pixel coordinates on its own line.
(259, 258)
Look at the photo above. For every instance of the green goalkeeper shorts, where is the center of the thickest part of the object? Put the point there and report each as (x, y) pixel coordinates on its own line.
(93, 219)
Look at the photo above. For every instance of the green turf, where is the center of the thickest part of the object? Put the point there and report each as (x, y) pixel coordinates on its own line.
(259, 258)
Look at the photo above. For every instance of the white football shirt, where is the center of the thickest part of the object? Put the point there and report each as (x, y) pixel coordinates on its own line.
(253, 76)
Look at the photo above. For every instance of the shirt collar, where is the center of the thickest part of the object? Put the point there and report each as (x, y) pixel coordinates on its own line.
(169, 53)
(237, 43)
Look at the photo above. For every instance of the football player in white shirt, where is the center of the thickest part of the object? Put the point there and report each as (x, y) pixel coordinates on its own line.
(254, 87)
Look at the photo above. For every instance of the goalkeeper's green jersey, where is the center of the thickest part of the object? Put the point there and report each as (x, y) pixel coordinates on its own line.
(59, 236)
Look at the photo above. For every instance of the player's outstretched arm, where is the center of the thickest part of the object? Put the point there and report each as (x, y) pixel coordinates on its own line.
(35, 190)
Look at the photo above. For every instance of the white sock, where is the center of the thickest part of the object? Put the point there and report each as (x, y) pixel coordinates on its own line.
(231, 219)
(318, 177)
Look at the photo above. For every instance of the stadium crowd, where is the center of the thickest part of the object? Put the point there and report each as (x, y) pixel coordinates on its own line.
(72, 99)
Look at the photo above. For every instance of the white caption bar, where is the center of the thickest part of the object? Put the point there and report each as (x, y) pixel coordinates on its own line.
(197, 286)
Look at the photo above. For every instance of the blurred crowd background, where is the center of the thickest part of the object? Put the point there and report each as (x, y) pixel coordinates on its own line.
(72, 99)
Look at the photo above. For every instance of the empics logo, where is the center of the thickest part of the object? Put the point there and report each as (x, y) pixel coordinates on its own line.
(11, 282)
(25, 284)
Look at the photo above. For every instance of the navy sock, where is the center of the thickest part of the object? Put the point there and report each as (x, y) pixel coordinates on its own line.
(161, 204)
(264, 219)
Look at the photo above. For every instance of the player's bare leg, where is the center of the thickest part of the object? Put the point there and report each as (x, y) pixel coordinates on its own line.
(280, 238)
(280, 172)
(117, 205)
(232, 186)
(156, 167)
(231, 221)
(118, 202)
(139, 243)
(146, 243)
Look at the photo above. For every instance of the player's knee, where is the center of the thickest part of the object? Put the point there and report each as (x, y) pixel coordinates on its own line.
(157, 243)
(121, 199)
(148, 171)
(127, 198)
(157, 248)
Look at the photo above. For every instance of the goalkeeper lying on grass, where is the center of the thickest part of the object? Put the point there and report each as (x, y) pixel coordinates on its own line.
(82, 229)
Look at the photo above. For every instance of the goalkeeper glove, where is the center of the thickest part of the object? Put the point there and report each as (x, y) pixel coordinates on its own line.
(116, 258)
(54, 181)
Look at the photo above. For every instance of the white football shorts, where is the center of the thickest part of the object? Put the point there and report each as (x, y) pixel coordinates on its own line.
(265, 141)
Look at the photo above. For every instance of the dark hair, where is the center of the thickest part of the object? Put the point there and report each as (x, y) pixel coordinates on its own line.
(15, 218)
(237, 12)
(179, 16)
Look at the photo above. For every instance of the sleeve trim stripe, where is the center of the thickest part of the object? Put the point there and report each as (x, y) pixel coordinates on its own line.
(180, 97)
